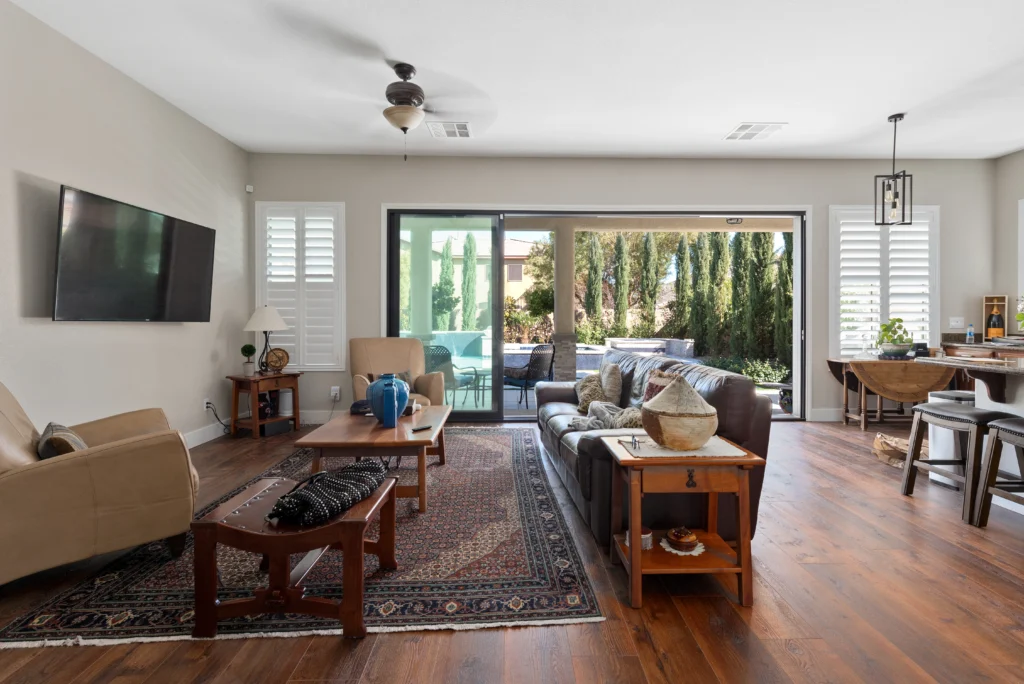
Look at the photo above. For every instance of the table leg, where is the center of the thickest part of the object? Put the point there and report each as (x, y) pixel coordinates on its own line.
(234, 408)
(636, 575)
(316, 466)
(295, 405)
(440, 447)
(204, 552)
(745, 583)
(254, 410)
(879, 416)
(351, 610)
(386, 541)
(846, 397)
(863, 408)
(615, 525)
(422, 486)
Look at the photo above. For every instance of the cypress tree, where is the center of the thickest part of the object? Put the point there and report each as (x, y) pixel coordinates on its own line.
(443, 293)
(784, 304)
(717, 325)
(649, 279)
(595, 272)
(700, 257)
(621, 284)
(683, 285)
(740, 293)
(761, 314)
(469, 283)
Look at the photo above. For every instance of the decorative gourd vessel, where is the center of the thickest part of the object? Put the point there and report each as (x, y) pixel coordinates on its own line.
(679, 418)
(388, 397)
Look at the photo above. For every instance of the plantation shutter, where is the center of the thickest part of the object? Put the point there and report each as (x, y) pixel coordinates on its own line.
(884, 272)
(860, 284)
(299, 252)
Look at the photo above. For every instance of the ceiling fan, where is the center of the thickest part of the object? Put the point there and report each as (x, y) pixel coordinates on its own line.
(450, 97)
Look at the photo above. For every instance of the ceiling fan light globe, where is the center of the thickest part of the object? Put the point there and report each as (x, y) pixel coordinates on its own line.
(404, 117)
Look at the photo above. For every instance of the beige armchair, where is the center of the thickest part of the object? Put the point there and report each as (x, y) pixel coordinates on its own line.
(134, 484)
(377, 355)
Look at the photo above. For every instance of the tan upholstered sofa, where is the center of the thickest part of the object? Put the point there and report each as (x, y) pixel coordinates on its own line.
(377, 355)
(134, 484)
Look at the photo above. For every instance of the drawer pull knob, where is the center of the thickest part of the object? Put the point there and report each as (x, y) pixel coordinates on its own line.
(690, 482)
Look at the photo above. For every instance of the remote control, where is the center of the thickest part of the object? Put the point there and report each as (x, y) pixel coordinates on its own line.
(422, 428)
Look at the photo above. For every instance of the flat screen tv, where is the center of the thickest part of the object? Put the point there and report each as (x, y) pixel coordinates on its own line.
(116, 262)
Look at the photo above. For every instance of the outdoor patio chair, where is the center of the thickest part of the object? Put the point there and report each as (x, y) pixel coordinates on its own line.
(439, 359)
(537, 369)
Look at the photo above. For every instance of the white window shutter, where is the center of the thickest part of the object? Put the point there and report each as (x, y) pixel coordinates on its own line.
(910, 277)
(300, 247)
(860, 285)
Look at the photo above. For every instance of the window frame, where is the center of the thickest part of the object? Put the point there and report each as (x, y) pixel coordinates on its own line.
(838, 214)
(340, 290)
(508, 276)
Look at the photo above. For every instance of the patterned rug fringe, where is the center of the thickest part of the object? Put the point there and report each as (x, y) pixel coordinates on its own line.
(290, 635)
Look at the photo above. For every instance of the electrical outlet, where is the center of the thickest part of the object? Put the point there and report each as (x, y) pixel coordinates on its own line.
(206, 404)
(956, 323)
(335, 393)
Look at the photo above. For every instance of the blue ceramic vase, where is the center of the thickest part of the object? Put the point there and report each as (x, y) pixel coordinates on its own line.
(388, 397)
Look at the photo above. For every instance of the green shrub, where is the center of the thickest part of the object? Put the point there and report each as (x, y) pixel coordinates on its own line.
(591, 332)
(758, 370)
(540, 301)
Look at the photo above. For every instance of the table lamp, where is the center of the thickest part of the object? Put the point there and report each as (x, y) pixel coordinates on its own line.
(265, 319)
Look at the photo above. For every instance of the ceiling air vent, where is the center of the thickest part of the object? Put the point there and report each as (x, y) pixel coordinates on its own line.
(754, 131)
(445, 129)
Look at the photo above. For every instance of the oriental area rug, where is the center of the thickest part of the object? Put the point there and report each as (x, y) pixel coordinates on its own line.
(492, 550)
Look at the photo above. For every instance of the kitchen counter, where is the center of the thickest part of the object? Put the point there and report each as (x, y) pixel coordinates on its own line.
(968, 364)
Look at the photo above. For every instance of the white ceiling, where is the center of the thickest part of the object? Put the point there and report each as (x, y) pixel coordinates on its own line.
(662, 78)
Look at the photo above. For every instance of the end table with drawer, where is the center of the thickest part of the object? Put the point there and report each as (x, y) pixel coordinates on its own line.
(253, 386)
(682, 474)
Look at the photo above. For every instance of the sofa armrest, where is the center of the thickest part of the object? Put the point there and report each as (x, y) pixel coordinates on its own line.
(359, 385)
(105, 498)
(548, 392)
(122, 426)
(431, 385)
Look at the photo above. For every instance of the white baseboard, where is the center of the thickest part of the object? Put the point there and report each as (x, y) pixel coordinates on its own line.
(825, 415)
(204, 435)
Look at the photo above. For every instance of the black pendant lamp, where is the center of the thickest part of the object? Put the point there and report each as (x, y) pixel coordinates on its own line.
(894, 193)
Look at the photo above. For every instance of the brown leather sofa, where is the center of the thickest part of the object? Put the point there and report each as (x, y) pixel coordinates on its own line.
(134, 484)
(584, 465)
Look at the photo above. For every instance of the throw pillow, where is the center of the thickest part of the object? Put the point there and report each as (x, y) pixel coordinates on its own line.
(57, 440)
(657, 381)
(589, 390)
(628, 418)
(611, 382)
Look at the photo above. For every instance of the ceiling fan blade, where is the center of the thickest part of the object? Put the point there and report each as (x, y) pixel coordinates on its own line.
(341, 40)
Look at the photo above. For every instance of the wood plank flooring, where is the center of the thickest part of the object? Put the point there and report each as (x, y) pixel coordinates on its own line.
(853, 583)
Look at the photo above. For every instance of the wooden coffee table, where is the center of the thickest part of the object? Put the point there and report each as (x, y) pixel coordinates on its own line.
(239, 523)
(354, 435)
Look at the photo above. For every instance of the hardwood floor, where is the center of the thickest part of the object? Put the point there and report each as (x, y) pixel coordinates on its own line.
(853, 583)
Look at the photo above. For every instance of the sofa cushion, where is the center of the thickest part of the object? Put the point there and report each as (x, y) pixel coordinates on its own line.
(18, 436)
(559, 425)
(556, 408)
(635, 368)
(732, 395)
(611, 382)
(589, 390)
(58, 440)
(568, 449)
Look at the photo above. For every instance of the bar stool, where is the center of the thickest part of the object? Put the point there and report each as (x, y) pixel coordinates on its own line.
(959, 418)
(1003, 431)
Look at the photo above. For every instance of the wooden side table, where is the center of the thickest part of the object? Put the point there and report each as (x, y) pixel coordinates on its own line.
(239, 523)
(682, 475)
(242, 384)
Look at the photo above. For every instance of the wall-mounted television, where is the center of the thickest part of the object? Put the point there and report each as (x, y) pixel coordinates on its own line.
(117, 262)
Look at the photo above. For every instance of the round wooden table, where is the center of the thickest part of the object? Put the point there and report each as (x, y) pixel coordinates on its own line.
(899, 381)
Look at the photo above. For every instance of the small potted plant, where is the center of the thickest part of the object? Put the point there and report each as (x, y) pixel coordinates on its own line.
(248, 368)
(893, 339)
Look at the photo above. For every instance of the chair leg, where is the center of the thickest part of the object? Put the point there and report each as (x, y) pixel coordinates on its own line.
(972, 469)
(526, 393)
(989, 473)
(913, 453)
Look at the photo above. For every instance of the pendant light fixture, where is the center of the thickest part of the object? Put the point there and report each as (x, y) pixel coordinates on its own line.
(894, 193)
(406, 100)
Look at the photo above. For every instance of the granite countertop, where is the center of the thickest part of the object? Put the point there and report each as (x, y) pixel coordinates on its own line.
(967, 363)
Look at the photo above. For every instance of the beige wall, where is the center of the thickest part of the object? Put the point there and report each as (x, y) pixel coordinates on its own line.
(964, 190)
(67, 117)
(1008, 266)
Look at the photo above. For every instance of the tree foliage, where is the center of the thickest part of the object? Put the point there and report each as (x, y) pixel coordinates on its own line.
(740, 293)
(595, 279)
(621, 284)
(683, 287)
(443, 293)
(649, 280)
(761, 311)
(784, 303)
(540, 301)
(469, 283)
(700, 258)
(718, 315)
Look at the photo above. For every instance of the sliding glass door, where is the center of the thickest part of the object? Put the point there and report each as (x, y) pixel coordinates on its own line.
(444, 288)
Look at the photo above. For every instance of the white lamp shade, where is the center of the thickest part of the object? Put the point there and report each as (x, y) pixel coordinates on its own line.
(404, 117)
(265, 318)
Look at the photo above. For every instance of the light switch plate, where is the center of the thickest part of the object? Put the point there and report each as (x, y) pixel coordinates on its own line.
(956, 323)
